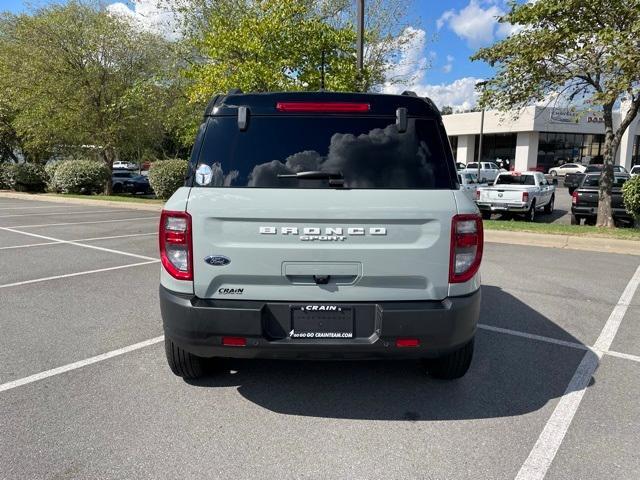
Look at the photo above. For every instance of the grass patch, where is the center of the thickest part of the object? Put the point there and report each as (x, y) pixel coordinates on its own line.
(555, 229)
(111, 198)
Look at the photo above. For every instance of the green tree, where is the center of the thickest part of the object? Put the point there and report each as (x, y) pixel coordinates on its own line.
(586, 49)
(81, 77)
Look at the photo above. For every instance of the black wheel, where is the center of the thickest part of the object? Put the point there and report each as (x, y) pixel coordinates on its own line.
(590, 221)
(554, 173)
(575, 220)
(183, 363)
(548, 208)
(453, 365)
(117, 188)
(486, 215)
(530, 216)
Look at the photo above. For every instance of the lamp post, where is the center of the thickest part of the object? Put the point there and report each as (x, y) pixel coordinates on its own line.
(360, 39)
(480, 85)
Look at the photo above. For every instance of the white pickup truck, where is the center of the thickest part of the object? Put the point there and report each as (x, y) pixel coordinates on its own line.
(517, 192)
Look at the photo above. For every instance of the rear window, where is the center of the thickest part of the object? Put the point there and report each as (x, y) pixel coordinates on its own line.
(366, 152)
(516, 180)
(594, 181)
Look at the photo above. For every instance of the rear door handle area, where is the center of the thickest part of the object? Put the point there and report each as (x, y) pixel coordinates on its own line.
(322, 273)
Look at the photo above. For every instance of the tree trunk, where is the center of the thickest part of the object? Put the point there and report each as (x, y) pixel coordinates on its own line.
(108, 155)
(605, 214)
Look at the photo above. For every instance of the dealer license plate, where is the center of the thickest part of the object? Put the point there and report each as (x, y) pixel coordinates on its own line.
(321, 321)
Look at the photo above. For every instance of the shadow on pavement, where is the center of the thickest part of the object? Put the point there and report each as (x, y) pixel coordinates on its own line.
(509, 376)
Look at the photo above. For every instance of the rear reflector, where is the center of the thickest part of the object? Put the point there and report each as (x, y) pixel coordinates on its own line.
(407, 342)
(234, 341)
(337, 107)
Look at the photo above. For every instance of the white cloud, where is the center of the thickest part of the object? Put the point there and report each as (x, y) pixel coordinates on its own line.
(476, 24)
(459, 94)
(449, 65)
(150, 15)
(412, 62)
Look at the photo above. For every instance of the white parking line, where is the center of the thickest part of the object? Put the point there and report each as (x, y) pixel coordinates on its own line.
(67, 275)
(27, 208)
(84, 223)
(532, 336)
(58, 213)
(626, 356)
(544, 451)
(29, 245)
(78, 244)
(82, 363)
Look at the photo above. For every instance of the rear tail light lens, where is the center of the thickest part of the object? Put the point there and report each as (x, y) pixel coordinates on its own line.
(234, 341)
(477, 194)
(574, 197)
(176, 251)
(335, 107)
(525, 197)
(467, 241)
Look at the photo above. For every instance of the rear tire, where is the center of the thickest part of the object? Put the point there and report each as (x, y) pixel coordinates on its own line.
(183, 363)
(575, 220)
(530, 216)
(485, 215)
(453, 365)
(548, 208)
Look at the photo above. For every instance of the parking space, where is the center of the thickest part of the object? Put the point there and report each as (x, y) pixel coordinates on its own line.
(126, 416)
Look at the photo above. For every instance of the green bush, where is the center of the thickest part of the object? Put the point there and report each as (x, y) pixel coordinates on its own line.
(7, 179)
(166, 176)
(50, 169)
(80, 176)
(631, 196)
(29, 177)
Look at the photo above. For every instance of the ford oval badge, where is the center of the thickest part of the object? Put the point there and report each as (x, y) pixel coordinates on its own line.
(217, 260)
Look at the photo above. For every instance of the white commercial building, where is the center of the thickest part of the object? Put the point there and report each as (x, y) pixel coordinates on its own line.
(538, 138)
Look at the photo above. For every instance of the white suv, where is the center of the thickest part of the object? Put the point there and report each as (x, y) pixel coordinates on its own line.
(321, 225)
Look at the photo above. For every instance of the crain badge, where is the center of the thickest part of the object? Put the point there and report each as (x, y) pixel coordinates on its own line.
(217, 260)
(204, 175)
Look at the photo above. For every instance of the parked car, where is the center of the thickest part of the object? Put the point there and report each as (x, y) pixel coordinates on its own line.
(461, 166)
(635, 170)
(124, 165)
(137, 184)
(516, 192)
(118, 177)
(469, 184)
(488, 170)
(584, 202)
(562, 170)
(573, 180)
(303, 233)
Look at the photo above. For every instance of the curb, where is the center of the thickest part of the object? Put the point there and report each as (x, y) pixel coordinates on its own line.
(569, 242)
(81, 201)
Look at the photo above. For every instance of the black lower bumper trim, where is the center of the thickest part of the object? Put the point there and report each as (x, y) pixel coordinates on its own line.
(198, 325)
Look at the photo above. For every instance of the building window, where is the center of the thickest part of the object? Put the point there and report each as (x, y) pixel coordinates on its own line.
(499, 148)
(556, 149)
(454, 146)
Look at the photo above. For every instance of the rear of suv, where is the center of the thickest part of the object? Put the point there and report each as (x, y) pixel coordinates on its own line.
(321, 226)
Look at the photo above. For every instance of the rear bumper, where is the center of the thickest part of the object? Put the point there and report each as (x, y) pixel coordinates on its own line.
(585, 212)
(506, 207)
(198, 326)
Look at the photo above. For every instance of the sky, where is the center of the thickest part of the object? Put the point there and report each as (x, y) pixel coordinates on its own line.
(445, 32)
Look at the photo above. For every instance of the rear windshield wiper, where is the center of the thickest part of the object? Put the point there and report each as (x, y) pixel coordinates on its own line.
(336, 179)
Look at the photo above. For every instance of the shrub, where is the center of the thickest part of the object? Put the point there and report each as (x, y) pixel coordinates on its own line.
(631, 196)
(80, 176)
(7, 180)
(29, 177)
(166, 176)
(50, 169)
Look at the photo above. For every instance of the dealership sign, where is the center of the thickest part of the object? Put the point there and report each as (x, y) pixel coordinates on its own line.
(571, 115)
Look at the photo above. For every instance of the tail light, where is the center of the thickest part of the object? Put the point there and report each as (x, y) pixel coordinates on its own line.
(525, 197)
(574, 197)
(176, 250)
(467, 240)
(477, 194)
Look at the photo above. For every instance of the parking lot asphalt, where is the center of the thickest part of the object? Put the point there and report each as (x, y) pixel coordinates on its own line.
(85, 391)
